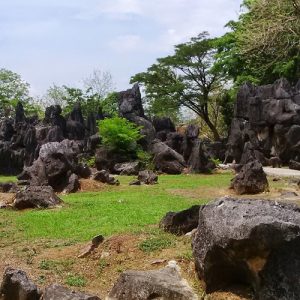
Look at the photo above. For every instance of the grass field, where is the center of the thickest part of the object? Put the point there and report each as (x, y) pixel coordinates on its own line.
(46, 243)
(111, 211)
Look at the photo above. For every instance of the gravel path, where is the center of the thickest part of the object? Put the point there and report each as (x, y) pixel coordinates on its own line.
(281, 172)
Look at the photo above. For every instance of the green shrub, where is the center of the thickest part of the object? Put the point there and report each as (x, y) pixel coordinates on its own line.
(145, 158)
(119, 134)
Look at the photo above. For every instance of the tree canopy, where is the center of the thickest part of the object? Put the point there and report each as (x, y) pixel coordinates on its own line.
(263, 45)
(12, 90)
(187, 78)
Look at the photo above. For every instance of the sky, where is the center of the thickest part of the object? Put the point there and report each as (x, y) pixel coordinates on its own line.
(63, 41)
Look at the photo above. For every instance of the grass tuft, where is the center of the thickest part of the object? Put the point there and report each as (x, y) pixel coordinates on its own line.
(75, 280)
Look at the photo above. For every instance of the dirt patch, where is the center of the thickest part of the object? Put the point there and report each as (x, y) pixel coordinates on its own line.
(7, 198)
(90, 185)
(46, 262)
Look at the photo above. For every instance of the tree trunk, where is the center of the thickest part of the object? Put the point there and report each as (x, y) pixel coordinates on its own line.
(212, 127)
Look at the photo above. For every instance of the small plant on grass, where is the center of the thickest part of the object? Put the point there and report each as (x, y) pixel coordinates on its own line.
(46, 264)
(119, 134)
(59, 266)
(102, 265)
(156, 243)
(75, 280)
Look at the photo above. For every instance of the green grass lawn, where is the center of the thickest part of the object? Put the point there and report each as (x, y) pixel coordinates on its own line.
(114, 210)
(7, 178)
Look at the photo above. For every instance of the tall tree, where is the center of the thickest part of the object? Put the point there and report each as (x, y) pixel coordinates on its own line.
(187, 78)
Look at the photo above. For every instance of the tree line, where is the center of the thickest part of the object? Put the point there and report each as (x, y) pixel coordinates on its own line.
(202, 75)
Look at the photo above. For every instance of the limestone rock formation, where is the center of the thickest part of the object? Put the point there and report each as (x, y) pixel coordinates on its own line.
(17, 286)
(269, 118)
(131, 108)
(36, 197)
(129, 168)
(58, 292)
(55, 165)
(251, 179)
(165, 283)
(166, 159)
(104, 177)
(252, 242)
(147, 177)
(181, 222)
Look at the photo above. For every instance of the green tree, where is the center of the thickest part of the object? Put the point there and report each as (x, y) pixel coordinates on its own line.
(186, 79)
(263, 44)
(94, 96)
(12, 90)
(119, 134)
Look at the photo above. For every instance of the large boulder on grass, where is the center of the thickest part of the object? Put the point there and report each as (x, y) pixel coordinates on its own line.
(147, 177)
(104, 177)
(54, 166)
(181, 222)
(165, 283)
(251, 179)
(36, 197)
(250, 242)
(58, 292)
(17, 286)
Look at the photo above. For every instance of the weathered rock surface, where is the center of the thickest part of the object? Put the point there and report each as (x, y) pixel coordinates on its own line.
(251, 179)
(17, 286)
(252, 242)
(129, 168)
(147, 177)
(166, 159)
(104, 177)
(58, 292)
(36, 197)
(90, 247)
(73, 184)
(269, 118)
(131, 108)
(165, 283)
(163, 126)
(55, 165)
(294, 165)
(182, 222)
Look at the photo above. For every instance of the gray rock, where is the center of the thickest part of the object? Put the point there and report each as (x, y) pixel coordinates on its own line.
(36, 197)
(104, 177)
(269, 118)
(181, 222)
(73, 184)
(294, 165)
(58, 292)
(166, 159)
(17, 286)
(147, 177)
(251, 179)
(129, 168)
(252, 242)
(165, 283)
